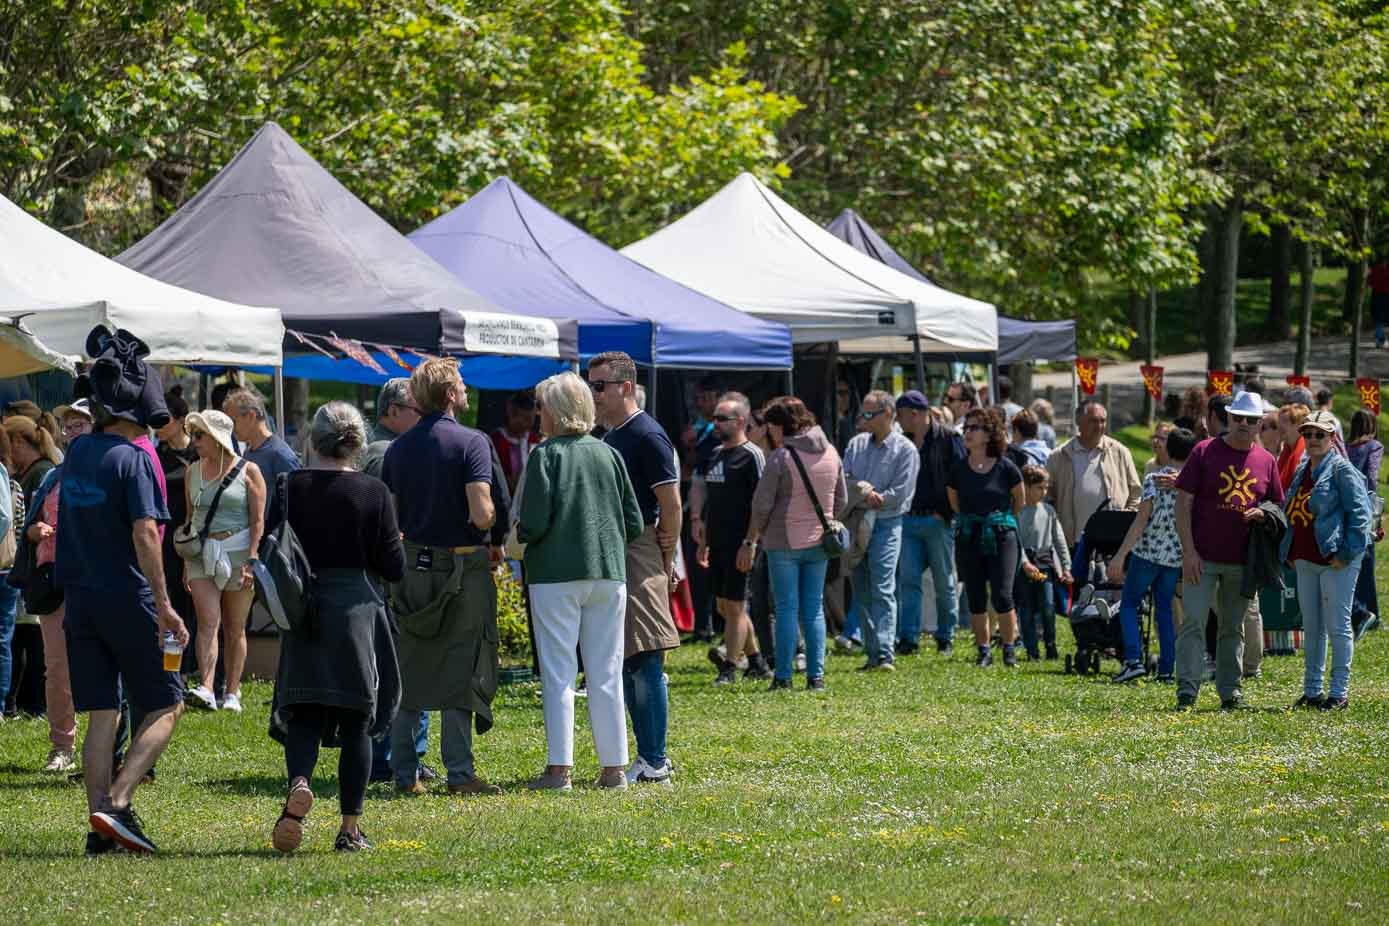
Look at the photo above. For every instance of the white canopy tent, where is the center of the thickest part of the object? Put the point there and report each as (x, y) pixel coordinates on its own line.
(747, 247)
(53, 291)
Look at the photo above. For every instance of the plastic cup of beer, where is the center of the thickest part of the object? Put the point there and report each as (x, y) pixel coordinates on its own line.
(173, 653)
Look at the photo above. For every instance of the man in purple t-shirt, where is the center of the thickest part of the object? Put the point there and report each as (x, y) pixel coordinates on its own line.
(1218, 496)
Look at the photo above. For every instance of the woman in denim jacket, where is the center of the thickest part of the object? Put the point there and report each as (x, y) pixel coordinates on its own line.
(1329, 511)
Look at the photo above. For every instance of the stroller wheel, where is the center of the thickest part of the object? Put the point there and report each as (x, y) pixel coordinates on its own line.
(1094, 666)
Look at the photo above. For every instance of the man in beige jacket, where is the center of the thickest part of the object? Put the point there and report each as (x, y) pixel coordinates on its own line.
(1089, 470)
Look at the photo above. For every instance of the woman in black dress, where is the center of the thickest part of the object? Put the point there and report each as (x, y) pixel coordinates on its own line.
(338, 682)
(175, 452)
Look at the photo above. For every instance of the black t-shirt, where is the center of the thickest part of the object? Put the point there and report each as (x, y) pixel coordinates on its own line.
(730, 479)
(985, 493)
(650, 458)
(175, 466)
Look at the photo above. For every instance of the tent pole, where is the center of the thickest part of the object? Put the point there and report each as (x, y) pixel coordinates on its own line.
(920, 363)
(204, 393)
(1075, 397)
(279, 385)
(651, 393)
(791, 382)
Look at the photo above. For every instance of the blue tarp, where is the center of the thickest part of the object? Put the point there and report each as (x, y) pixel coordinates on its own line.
(482, 370)
(516, 252)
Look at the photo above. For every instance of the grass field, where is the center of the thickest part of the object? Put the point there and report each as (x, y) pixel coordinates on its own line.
(942, 793)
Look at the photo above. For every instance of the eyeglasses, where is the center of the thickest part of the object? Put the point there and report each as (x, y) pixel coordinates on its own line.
(196, 434)
(866, 415)
(408, 407)
(1314, 434)
(598, 385)
(725, 417)
(1245, 419)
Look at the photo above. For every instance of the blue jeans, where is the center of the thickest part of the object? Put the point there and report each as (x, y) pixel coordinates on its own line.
(644, 688)
(1325, 594)
(1140, 576)
(927, 543)
(1033, 601)
(875, 590)
(455, 746)
(381, 749)
(798, 583)
(9, 605)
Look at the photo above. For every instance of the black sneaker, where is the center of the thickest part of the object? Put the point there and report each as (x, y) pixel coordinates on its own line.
(985, 657)
(728, 675)
(1010, 656)
(98, 844)
(757, 669)
(1131, 672)
(780, 684)
(1305, 702)
(124, 827)
(815, 684)
(945, 648)
(1051, 652)
(1185, 702)
(1232, 703)
(1334, 704)
(907, 648)
(351, 842)
(1165, 678)
(427, 774)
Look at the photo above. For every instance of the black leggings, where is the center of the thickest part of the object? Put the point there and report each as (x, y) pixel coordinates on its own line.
(997, 572)
(307, 723)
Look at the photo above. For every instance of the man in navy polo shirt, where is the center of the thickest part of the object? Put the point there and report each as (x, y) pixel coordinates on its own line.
(440, 473)
(650, 630)
(110, 565)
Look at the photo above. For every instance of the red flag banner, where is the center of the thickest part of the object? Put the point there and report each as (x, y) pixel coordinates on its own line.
(1303, 381)
(1152, 380)
(356, 351)
(1088, 372)
(395, 357)
(1220, 382)
(309, 344)
(1369, 393)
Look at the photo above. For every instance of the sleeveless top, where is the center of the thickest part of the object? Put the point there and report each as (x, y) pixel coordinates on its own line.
(232, 512)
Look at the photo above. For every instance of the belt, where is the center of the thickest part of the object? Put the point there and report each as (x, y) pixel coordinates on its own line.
(460, 550)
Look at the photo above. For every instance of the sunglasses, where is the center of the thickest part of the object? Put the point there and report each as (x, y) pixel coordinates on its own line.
(1245, 419)
(725, 418)
(598, 385)
(869, 416)
(1314, 434)
(196, 434)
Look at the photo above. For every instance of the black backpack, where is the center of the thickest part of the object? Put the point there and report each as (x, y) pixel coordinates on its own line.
(285, 582)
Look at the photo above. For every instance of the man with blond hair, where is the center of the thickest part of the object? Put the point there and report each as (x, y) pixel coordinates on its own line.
(440, 474)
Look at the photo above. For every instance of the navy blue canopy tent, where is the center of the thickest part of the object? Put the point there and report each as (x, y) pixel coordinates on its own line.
(513, 250)
(1019, 340)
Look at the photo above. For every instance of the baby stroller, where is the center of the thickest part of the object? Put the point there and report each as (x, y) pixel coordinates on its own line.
(1094, 614)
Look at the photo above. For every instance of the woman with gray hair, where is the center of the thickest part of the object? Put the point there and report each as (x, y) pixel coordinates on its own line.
(338, 683)
(578, 513)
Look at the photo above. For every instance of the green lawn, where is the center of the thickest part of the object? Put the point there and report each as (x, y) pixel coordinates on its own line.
(942, 793)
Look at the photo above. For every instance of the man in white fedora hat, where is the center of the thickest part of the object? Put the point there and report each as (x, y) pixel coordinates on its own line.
(1219, 492)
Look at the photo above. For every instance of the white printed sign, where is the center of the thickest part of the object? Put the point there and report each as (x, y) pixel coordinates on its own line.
(489, 333)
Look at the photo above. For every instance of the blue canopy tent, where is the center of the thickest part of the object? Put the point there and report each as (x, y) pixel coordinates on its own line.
(513, 250)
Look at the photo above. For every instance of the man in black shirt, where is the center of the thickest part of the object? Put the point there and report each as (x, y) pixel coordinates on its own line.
(720, 505)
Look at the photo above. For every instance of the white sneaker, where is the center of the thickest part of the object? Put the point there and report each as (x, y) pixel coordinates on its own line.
(201, 697)
(232, 702)
(642, 772)
(60, 761)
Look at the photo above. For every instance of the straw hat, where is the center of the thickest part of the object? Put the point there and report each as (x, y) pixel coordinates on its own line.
(214, 423)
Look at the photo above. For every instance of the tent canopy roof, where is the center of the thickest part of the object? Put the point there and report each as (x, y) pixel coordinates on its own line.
(53, 291)
(747, 247)
(514, 250)
(273, 226)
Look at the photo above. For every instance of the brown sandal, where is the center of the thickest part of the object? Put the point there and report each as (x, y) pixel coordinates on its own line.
(289, 828)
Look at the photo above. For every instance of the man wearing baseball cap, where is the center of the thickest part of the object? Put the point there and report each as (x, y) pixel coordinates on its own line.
(926, 540)
(1219, 491)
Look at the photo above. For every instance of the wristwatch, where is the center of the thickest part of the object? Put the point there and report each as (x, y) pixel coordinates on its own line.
(750, 544)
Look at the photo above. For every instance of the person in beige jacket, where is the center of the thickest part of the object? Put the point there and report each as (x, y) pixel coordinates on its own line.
(1087, 471)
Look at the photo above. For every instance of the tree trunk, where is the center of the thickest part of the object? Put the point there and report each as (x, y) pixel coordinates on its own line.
(1226, 224)
(1149, 351)
(1208, 253)
(1021, 375)
(1355, 285)
(1305, 300)
(69, 210)
(1137, 311)
(168, 187)
(1280, 288)
(296, 410)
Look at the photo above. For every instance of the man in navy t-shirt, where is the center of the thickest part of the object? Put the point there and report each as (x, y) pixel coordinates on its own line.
(259, 444)
(650, 458)
(109, 563)
(441, 475)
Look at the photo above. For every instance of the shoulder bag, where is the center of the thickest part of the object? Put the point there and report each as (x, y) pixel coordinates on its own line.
(188, 544)
(285, 580)
(836, 537)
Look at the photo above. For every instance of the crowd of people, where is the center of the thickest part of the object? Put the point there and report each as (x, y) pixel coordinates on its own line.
(134, 562)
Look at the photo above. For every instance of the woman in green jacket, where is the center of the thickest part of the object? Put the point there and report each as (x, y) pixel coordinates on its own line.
(578, 513)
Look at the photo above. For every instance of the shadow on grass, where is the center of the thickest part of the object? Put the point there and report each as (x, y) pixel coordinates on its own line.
(67, 856)
(276, 786)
